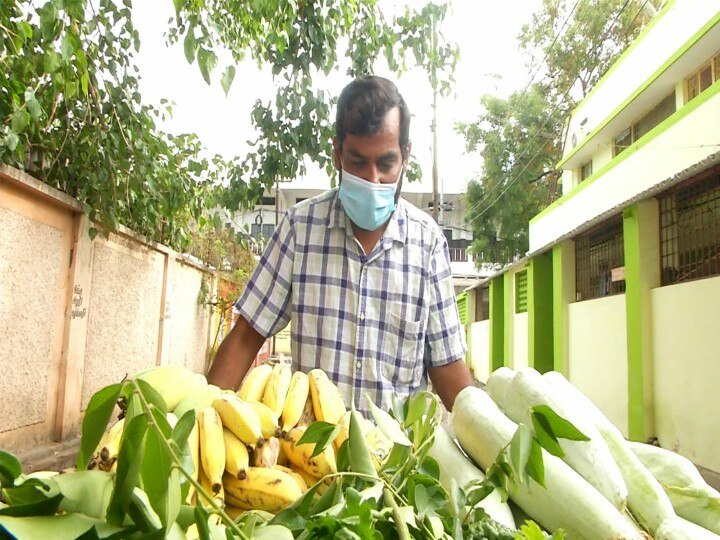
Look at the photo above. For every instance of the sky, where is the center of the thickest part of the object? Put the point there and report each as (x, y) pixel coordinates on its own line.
(490, 62)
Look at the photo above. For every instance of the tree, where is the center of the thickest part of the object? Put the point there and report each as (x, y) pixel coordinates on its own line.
(569, 45)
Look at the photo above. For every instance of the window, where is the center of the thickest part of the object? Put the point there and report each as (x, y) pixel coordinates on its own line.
(649, 120)
(482, 304)
(690, 229)
(462, 307)
(521, 292)
(600, 261)
(585, 170)
(703, 78)
(268, 201)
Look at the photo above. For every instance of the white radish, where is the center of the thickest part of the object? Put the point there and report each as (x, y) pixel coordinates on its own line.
(646, 498)
(568, 501)
(456, 465)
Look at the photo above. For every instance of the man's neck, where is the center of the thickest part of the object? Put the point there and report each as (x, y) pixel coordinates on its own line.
(368, 239)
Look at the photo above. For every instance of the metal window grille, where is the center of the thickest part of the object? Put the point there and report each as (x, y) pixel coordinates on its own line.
(649, 120)
(690, 229)
(521, 292)
(482, 304)
(600, 261)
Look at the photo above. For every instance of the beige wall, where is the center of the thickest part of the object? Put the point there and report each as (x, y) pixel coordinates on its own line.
(686, 343)
(480, 350)
(597, 362)
(519, 357)
(77, 314)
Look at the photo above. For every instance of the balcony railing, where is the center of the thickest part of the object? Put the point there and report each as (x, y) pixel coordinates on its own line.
(458, 255)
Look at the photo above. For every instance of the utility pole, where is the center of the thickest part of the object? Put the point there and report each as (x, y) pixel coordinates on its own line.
(433, 82)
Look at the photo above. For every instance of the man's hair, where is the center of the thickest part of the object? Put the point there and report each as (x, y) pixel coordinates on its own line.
(364, 103)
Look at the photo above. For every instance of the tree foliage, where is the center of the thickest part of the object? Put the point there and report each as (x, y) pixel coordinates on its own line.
(569, 46)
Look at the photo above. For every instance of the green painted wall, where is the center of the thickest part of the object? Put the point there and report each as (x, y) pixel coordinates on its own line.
(563, 294)
(508, 316)
(497, 323)
(642, 274)
(540, 312)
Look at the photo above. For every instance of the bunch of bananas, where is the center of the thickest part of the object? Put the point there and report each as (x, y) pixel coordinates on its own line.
(244, 446)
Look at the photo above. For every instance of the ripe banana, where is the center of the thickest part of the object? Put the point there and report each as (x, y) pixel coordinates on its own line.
(277, 387)
(253, 386)
(295, 475)
(194, 445)
(344, 424)
(107, 449)
(237, 458)
(208, 487)
(240, 418)
(267, 456)
(212, 447)
(297, 397)
(328, 404)
(268, 419)
(310, 480)
(299, 454)
(197, 400)
(271, 490)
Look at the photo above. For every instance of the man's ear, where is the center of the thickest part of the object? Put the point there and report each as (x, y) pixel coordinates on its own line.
(337, 147)
(406, 156)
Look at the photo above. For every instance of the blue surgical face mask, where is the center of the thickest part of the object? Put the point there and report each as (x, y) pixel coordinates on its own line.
(367, 205)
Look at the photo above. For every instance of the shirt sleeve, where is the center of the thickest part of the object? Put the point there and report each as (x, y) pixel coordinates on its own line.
(265, 302)
(445, 337)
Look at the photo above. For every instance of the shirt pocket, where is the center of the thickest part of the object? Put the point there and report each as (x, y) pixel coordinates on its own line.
(402, 358)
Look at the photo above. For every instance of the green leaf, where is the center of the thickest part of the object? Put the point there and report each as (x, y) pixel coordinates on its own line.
(227, 78)
(207, 60)
(190, 45)
(520, 446)
(40, 506)
(320, 433)
(34, 108)
(97, 416)
(561, 428)
(545, 435)
(10, 469)
(358, 451)
(11, 141)
(157, 478)
(58, 527)
(152, 396)
(71, 88)
(51, 61)
(535, 466)
(332, 496)
(130, 460)
(388, 425)
(19, 120)
(416, 409)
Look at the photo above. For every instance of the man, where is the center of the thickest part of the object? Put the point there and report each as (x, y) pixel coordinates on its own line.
(362, 275)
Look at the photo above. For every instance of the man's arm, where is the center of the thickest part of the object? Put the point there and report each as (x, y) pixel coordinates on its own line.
(449, 379)
(235, 355)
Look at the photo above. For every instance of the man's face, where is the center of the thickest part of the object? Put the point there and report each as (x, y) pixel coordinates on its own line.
(376, 158)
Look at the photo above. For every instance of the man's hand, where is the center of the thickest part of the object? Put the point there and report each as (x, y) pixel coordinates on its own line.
(449, 379)
(235, 355)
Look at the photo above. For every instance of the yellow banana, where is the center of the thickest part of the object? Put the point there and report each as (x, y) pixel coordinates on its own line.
(344, 424)
(268, 419)
(237, 458)
(299, 480)
(299, 454)
(174, 383)
(209, 487)
(253, 386)
(197, 400)
(107, 449)
(309, 479)
(297, 397)
(379, 446)
(194, 445)
(267, 455)
(277, 387)
(271, 490)
(212, 447)
(240, 418)
(328, 404)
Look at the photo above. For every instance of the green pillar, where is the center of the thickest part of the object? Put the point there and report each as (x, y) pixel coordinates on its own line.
(642, 274)
(540, 312)
(497, 323)
(563, 261)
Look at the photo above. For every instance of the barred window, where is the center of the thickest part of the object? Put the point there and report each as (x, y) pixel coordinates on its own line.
(690, 229)
(649, 120)
(600, 261)
(521, 292)
(482, 304)
(703, 78)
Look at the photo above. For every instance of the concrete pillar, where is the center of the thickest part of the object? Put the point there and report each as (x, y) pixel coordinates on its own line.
(540, 312)
(497, 323)
(563, 262)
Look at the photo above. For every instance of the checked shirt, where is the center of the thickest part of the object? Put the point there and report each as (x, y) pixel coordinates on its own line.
(374, 323)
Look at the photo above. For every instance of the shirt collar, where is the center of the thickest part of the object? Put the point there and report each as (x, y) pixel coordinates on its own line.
(396, 230)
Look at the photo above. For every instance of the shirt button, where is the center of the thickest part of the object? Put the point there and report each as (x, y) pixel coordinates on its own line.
(362, 316)
(358, 365)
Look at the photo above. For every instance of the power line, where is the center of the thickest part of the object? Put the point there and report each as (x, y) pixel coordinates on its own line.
(555, 109)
